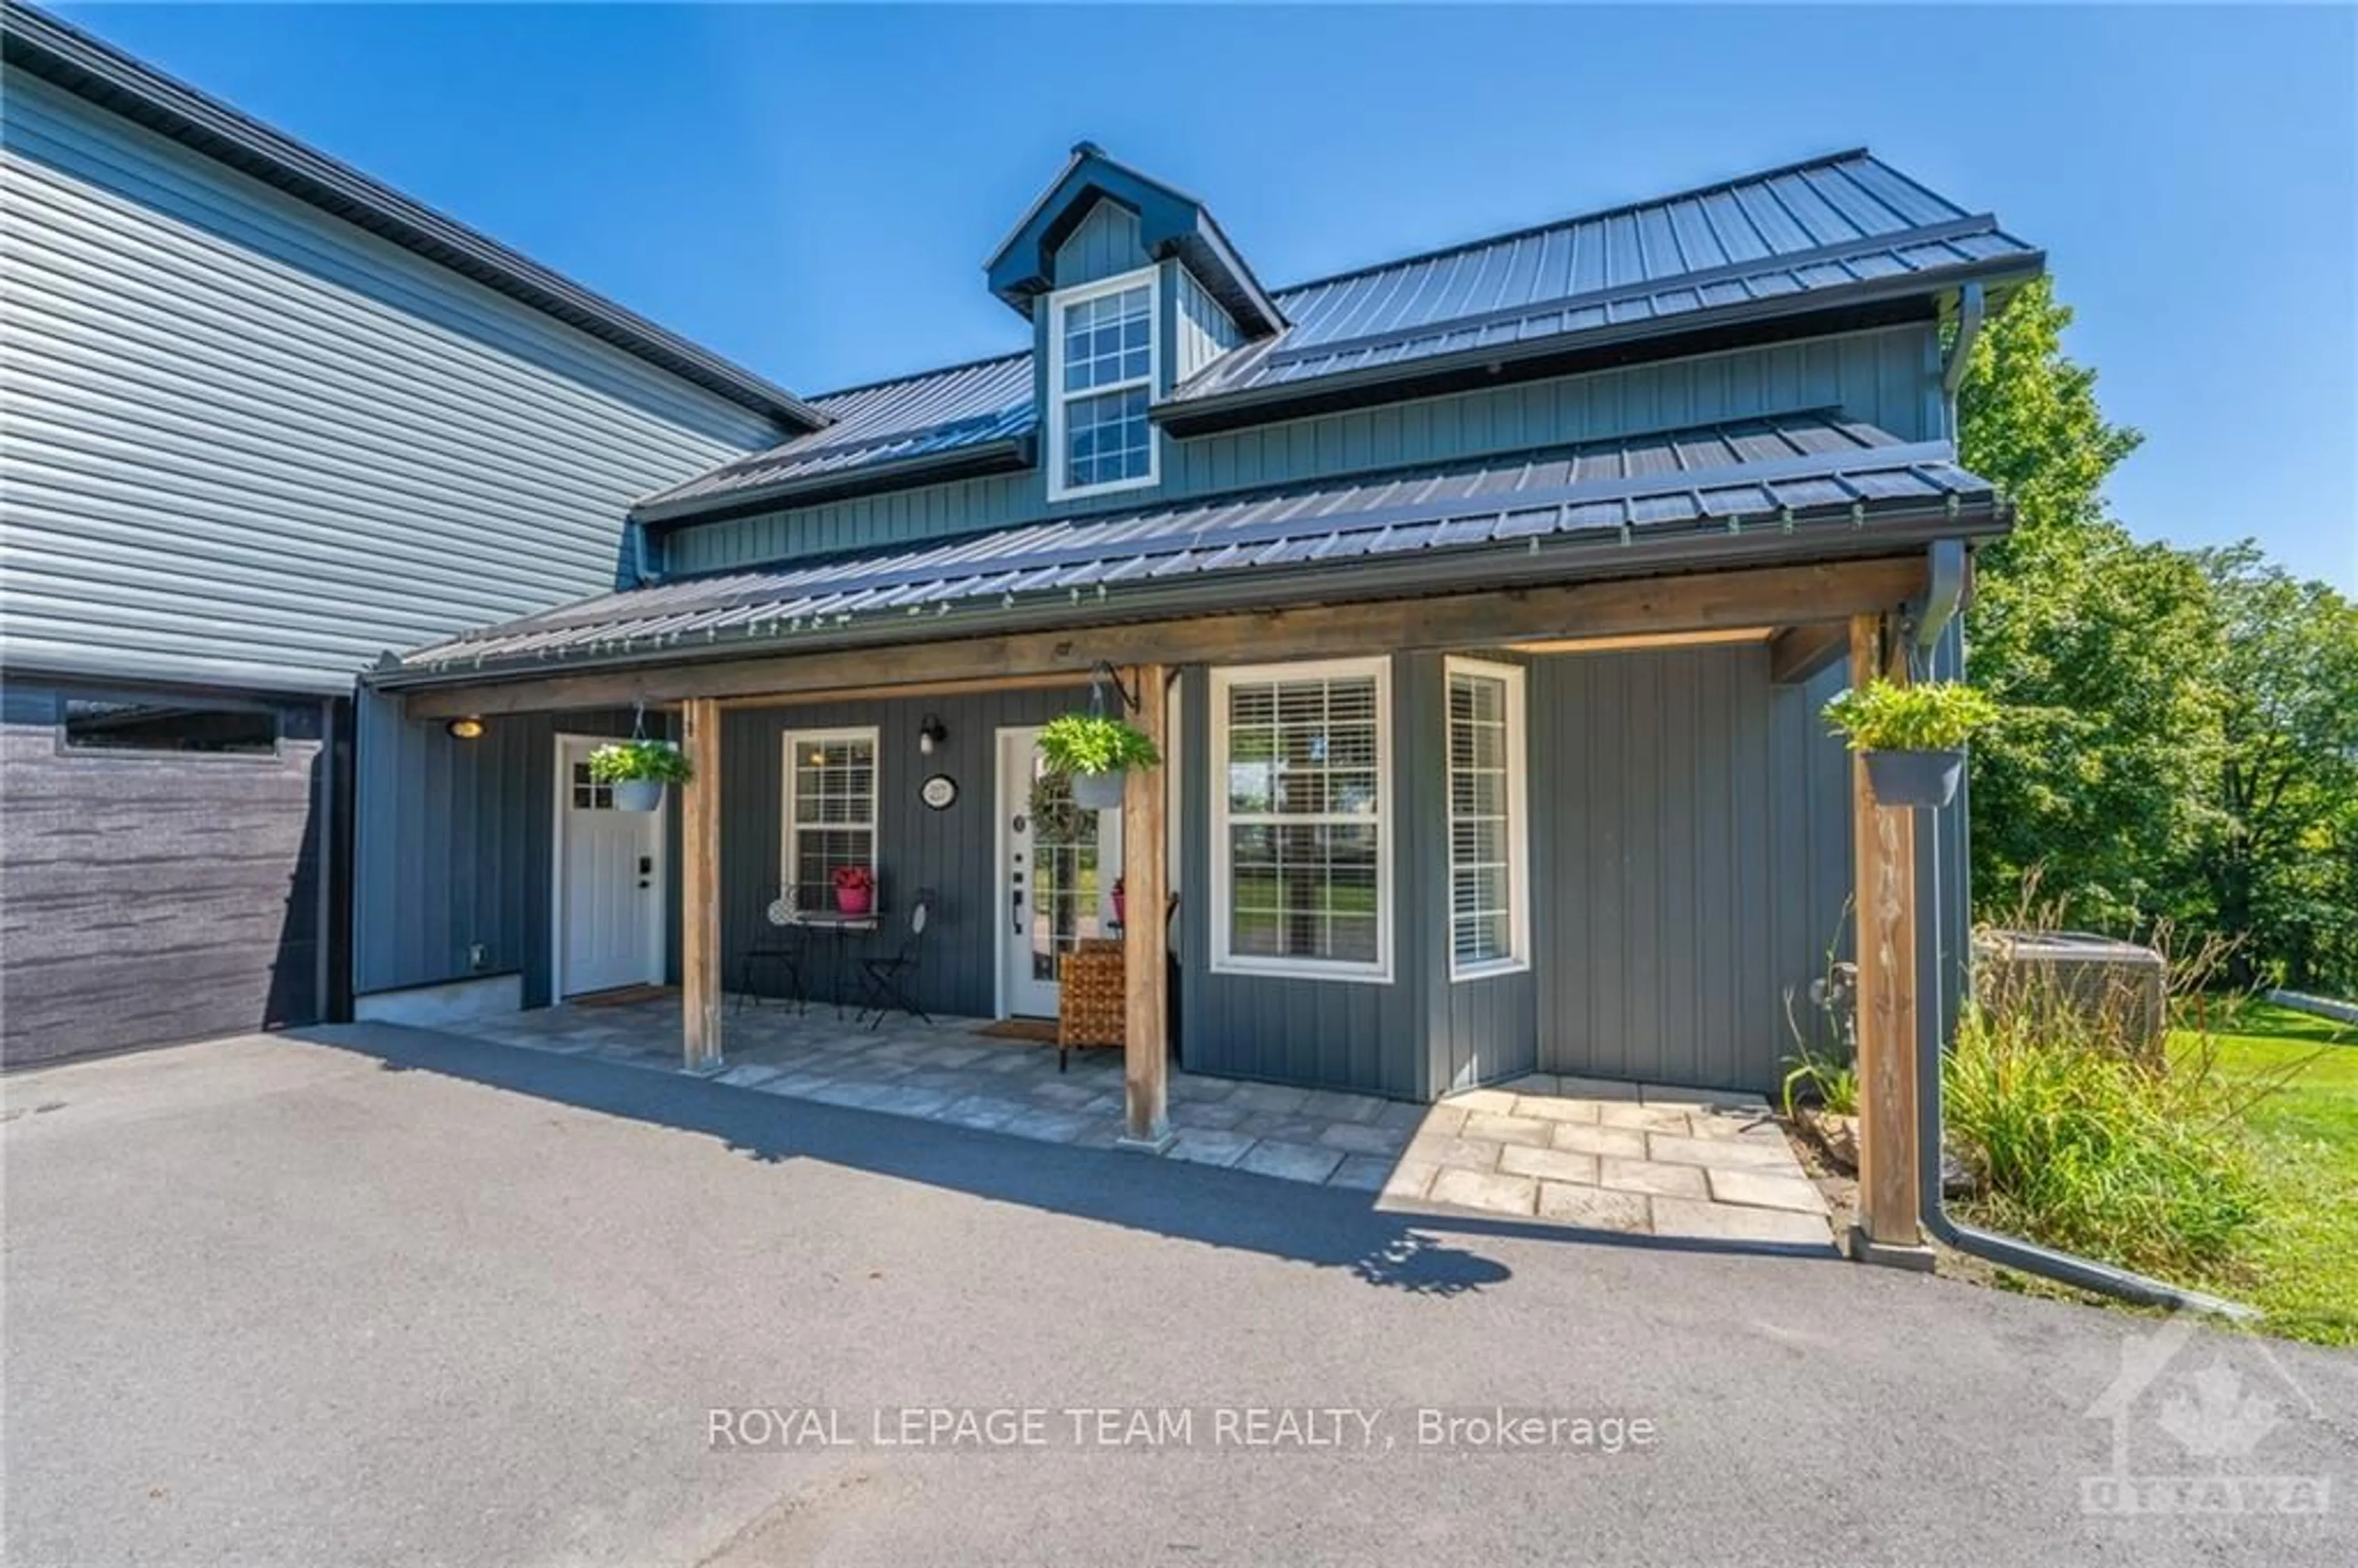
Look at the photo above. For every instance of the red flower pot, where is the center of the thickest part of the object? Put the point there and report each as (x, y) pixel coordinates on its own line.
(854, 901)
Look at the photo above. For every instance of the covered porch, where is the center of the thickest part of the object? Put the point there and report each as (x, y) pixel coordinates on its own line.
(1438, 1032)
(1512, 770)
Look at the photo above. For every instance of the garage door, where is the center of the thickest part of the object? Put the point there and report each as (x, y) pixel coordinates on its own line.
(159, 861)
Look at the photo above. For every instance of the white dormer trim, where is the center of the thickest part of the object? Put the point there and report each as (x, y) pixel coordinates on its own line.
(1055, 457)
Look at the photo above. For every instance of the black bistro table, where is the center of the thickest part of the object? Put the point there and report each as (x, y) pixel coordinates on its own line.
(840, 931)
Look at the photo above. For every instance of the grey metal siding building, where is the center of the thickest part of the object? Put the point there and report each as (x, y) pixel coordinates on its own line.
(263, 421)
(1701, 391)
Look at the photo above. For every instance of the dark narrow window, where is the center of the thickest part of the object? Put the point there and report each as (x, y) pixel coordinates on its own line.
(176, 725)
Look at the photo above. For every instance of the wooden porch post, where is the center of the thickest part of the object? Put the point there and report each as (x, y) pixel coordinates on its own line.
(699, 886)
(1146, 883)
(1889, 1228)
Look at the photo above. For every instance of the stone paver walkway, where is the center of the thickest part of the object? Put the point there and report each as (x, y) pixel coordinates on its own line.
(1592, 1154)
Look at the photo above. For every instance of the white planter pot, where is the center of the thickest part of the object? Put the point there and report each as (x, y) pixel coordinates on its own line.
(638, 794)
(1098, 792)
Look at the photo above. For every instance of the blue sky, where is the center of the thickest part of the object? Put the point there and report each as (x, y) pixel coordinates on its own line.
(813, 192)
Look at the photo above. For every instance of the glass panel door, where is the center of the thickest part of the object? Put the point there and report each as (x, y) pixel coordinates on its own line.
(1061, 863)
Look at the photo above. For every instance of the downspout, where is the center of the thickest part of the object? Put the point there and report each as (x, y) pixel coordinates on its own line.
(1971, 309)
(1944, 594)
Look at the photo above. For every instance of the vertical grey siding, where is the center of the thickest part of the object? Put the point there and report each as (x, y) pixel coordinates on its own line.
(151, 899)
(1326, 1034)
(1692, 862)
(1203, 332)
(248, 444)
(452, 843)
(1888, 378)
(1106, 244)
(954, 852)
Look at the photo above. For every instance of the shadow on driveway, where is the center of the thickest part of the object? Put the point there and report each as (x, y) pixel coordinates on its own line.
(1327, 1227)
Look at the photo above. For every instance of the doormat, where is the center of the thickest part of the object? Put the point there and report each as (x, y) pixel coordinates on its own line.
(1039, 1031)
(622, 996)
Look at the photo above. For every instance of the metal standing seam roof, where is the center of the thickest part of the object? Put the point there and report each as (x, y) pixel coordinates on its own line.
(1815, 229)
(1811, 228)
(961, 409)
(92, 68)
(1811, 468)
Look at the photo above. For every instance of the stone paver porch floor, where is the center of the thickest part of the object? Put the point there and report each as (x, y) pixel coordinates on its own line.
(1590, 1153)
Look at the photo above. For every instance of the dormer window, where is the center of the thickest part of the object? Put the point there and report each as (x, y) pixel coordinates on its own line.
(1101, 368)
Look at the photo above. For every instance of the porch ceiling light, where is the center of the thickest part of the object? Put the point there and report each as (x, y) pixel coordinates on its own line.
(468, 729)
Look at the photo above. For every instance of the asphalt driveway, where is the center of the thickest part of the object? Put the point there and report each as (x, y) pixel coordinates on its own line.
(387, 1296)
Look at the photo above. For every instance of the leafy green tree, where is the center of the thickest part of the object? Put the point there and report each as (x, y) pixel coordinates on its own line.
(2081, 633)
(2180, 729)
(2274, 847)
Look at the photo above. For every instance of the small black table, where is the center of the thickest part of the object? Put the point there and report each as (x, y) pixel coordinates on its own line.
(840, 928)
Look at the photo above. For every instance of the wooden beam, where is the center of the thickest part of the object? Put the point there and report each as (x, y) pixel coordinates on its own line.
(699, 886)
(1799, 652)
(1885, 843)
(1639, 640)
(1146, 888)
(1702, 601)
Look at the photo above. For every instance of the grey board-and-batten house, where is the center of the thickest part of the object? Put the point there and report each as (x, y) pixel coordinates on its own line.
(262, 417)
(1484, 600)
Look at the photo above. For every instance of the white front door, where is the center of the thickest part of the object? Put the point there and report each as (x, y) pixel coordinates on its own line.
(609, 897)
(1055, 879)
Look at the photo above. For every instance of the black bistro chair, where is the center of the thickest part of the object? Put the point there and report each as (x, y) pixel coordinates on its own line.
(885, 981)
(782, 947)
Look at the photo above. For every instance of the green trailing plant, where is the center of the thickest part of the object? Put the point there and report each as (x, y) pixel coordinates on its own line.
(1093, 743)
(1937, 715)
(622, 762)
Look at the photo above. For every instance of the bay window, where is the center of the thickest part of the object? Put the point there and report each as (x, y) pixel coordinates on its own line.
(1301, 819)
(1488, 900)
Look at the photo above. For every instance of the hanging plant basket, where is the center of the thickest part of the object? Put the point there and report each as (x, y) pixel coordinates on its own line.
(1923, 781)
(638, 770)
(1912, 738)
(1095, 753)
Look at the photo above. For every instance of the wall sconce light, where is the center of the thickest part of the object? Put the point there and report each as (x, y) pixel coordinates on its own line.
(465, 728)
(930, 732)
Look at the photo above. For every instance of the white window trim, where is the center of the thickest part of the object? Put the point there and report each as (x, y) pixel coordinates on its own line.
(1225, 962)
(1151, 276)
(1519, 856)
(873, 736)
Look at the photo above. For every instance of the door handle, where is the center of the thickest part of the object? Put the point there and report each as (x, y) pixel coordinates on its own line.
(1015, 909)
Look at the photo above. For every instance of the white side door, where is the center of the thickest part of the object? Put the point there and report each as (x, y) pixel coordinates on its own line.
(1055, 880)
(609, 898)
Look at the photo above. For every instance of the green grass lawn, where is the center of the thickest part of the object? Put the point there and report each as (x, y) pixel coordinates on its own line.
(2306, 1261)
